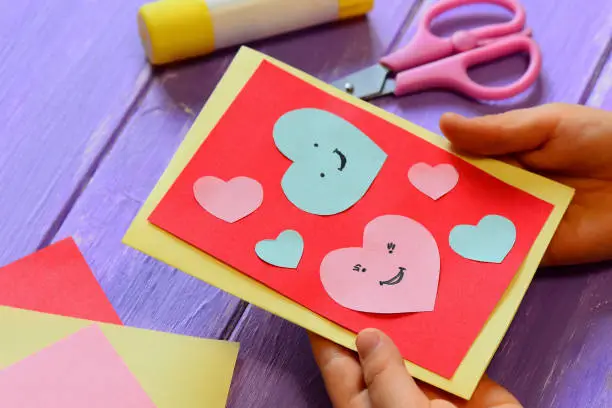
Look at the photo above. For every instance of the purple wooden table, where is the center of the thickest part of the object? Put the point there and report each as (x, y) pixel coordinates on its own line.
(87, 127)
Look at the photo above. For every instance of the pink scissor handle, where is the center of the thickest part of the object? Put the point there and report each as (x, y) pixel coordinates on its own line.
(426, 47)
(452, 72)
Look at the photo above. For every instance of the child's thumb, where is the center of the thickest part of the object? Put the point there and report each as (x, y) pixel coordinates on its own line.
(388, 382)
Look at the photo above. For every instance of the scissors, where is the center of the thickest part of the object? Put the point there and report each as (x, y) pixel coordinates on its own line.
(429, 61)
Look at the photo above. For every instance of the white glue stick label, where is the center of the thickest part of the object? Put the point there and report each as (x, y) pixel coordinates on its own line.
(241, 21)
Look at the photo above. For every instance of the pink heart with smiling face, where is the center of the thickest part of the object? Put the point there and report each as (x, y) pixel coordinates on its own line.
(396, 270)
(229, 201)
(433, 181)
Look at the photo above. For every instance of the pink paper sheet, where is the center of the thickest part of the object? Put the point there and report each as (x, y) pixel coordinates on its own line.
(82, 370)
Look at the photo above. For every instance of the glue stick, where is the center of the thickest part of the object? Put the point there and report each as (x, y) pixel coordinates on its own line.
(173, 30)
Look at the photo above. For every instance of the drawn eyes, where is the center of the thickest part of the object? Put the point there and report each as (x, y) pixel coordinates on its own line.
(322, 174)
(359, 268)
(390, 248)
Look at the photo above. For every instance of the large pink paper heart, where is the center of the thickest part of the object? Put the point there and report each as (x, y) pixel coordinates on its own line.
(396, 270)
(229, 201)
(433, 181)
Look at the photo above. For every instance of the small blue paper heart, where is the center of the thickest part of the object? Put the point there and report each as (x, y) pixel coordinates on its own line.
(489, 241)
(334, 162)
(285, 251)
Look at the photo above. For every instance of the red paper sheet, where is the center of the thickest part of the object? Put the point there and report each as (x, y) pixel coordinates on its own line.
(56, 280)
(242, 145)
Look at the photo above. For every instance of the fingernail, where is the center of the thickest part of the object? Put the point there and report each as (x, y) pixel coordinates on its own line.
(367, 341)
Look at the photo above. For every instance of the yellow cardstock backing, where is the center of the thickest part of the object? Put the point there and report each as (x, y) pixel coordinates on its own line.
(161, 245)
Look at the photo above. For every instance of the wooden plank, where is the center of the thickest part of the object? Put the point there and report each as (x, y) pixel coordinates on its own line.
(139, 287)
(145, 292)
(557, 351)
(276, 367)
(69, 72)
(68, 83)
(601, 96)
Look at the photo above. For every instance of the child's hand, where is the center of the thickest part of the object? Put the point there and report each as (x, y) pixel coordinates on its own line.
(568, 143)
(377, 378)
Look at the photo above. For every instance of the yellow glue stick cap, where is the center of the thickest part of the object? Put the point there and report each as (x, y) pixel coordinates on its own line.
(173, 30)
(354, 8)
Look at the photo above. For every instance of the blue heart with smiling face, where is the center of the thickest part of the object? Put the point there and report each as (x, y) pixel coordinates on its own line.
(334, 163)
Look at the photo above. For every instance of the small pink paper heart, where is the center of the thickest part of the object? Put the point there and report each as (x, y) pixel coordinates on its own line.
(433, 181)
(229, 201)
(396, 270)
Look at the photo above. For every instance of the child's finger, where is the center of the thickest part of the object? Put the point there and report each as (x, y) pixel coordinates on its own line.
(555, 138)
(341, 373)
(494, 135)
(386, 377)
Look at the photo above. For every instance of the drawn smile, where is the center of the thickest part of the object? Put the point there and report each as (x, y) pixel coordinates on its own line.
(342, 159)
(396, 279)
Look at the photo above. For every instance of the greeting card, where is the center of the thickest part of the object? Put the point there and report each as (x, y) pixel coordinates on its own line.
(339, 216)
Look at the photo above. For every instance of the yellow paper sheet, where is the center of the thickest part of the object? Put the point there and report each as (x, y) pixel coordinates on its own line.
(175, 371)
(171, 250)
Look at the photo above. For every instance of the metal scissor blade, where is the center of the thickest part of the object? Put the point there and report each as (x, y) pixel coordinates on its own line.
(365, 84)
(388, 87)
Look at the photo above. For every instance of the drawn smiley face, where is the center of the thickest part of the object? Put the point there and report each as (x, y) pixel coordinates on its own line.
(396, 270)
(395, 279)
(334, 163)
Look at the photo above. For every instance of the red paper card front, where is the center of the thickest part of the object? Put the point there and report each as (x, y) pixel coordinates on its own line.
(242, 145)
(56, 280)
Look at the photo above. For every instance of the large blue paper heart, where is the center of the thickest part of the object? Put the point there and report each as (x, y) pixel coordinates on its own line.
(334, 163)
(285, 251)
(489, 241)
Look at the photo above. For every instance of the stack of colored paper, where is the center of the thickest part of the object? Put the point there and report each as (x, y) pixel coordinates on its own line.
(70, 349)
